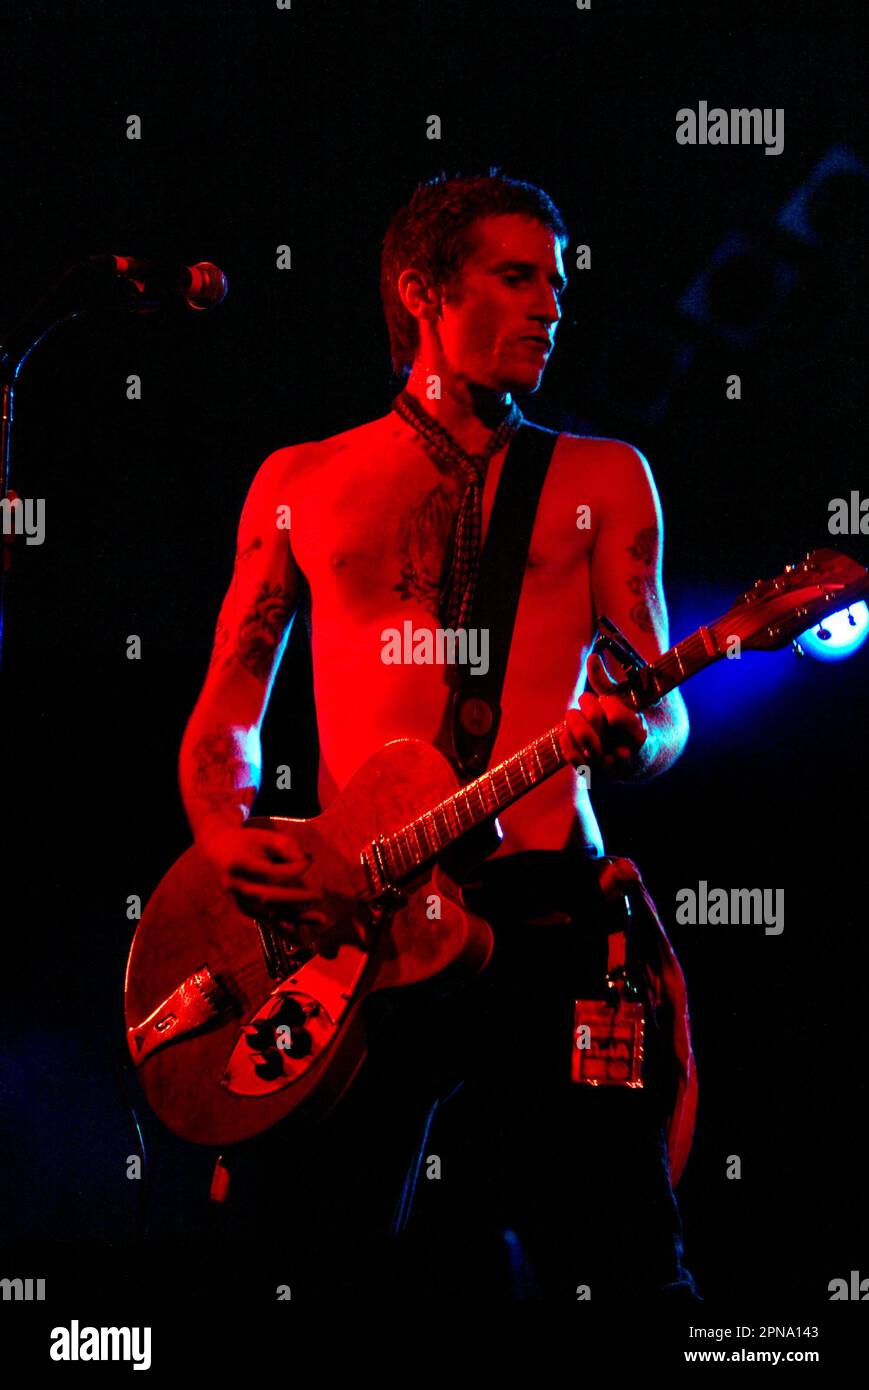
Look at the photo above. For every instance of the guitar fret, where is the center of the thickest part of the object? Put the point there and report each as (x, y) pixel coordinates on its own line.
(390, 852)
(405, 851)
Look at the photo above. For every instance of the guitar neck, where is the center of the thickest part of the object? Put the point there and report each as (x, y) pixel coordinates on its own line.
(407, 850)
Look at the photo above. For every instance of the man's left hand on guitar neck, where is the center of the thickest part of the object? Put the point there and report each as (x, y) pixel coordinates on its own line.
(607, 736)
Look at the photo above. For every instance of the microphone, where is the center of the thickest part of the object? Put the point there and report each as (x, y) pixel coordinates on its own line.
(200, 286)
(110, 282)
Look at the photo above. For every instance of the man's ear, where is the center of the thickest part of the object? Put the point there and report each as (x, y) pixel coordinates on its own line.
(417, 297)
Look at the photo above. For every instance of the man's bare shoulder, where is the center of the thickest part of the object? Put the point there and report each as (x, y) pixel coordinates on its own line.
(612, 465)
(600, 449)
(361, 436)
(299, 462)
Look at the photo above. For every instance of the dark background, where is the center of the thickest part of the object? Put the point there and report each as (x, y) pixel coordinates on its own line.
(308, 127)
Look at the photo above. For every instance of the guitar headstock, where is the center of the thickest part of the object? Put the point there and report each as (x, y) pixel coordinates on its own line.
(775, 611)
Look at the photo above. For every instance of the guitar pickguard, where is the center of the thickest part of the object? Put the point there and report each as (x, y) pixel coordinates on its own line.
(295, 1026)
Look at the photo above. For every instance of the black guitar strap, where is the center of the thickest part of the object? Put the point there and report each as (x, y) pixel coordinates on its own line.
(473, 714)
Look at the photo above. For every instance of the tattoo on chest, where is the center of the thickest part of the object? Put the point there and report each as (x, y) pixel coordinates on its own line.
(422, 542)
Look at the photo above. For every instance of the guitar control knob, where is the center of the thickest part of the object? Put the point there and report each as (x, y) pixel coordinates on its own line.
(798, 651)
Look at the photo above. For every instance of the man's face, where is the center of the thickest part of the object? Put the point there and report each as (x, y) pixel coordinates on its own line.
(505, 296)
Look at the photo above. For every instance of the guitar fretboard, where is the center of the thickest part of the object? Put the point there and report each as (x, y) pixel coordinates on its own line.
(421, 840)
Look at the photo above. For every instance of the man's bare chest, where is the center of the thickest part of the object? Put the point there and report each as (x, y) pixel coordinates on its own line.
(377, 535)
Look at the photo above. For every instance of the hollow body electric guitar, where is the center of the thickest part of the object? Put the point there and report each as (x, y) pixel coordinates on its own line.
(232, 1025)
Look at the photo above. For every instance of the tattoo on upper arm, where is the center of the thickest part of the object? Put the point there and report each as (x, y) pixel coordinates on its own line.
(262, 628)
(256, 544)
(643, 548)
(643, 585)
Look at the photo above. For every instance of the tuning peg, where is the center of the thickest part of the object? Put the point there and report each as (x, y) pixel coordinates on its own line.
(798, 651)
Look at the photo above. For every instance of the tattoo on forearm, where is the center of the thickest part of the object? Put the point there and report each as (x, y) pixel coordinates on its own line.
(643, 548)
(221, 777)
(262, 628)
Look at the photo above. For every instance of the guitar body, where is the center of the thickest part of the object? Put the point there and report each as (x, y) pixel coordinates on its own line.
(224, 1047)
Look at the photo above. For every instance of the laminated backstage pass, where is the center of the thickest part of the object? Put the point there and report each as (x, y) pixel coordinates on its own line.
(607, 1042)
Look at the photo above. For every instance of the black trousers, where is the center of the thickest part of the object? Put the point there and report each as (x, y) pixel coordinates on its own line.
(526, 1185)
(464, 1163)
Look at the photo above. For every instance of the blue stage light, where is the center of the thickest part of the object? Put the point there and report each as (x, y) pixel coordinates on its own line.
(839, 635)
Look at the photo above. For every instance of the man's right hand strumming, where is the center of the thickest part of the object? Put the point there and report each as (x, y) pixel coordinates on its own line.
(262, 871)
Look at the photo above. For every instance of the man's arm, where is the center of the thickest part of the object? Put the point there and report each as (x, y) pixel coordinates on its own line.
(220, 758)
(627, 587)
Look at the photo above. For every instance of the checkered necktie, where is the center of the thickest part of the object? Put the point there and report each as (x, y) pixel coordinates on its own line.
(462, 562)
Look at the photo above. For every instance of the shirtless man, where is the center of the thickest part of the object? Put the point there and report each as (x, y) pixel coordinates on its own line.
(370, 514)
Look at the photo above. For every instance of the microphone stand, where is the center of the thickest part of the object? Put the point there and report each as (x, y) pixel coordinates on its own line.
(60, 305)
